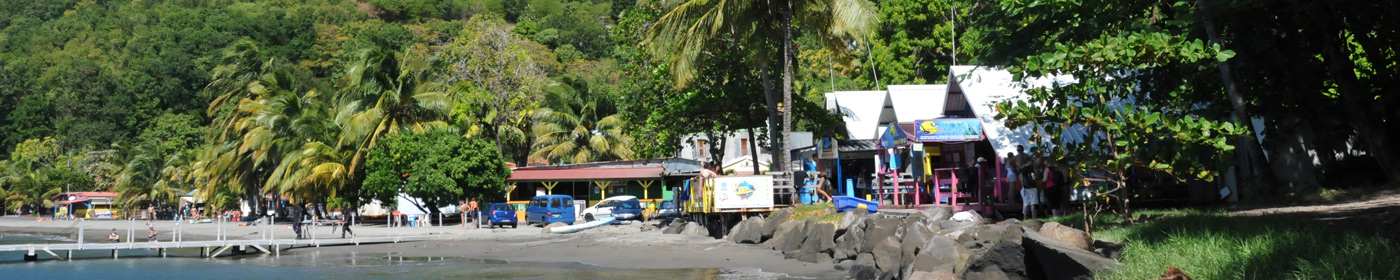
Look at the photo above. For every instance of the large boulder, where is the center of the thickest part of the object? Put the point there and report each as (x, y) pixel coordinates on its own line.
(850, 242)
(888, 255)
(912, 243)
(1072, 236)
(939, 253)
(820, 239)
(694, 229)
(917, 222)
(1059, 260)
(792, 244)
(770, 225)
(551, 226)
(938, 213)
(674, 228)
(865, 267)
(878, 229)
(748, 231)
(1003, 260)
(793, 238)
(852, 218)
(781, 234)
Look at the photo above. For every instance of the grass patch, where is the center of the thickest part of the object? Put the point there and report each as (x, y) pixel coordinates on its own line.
(822, 212)
(1209, 245)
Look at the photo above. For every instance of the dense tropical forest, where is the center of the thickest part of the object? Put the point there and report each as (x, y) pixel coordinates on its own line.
(327, 100)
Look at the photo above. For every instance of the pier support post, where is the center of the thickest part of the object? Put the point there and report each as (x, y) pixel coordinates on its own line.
(162, 252)
(114, 254)
(70, 255)
(31, 256)
(203, 252)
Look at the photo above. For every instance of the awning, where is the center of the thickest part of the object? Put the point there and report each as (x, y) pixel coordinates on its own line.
(584, 174)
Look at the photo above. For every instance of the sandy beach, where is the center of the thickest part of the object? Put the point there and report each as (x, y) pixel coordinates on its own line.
(618, 246)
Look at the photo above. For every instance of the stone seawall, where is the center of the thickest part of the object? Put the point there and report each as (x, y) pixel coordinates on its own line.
(930, 244)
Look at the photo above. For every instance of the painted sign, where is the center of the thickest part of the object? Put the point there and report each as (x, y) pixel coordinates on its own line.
(735, 192)
(948, 130)
(893, 137)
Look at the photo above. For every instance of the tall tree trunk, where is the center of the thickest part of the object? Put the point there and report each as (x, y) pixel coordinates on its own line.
(782, 155)
(1357, 100)
(772, 97)
(753, 152)
(1252, 154)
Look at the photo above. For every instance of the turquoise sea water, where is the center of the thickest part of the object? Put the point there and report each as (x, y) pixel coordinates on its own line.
(143, 264)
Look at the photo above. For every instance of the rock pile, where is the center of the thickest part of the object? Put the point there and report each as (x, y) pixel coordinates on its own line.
(929, 244)
(690, 229)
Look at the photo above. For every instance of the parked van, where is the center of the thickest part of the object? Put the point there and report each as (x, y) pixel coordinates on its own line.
(546, 209)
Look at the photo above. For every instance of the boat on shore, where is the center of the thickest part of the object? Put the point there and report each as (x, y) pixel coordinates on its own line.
(583, 226)
(848, 203)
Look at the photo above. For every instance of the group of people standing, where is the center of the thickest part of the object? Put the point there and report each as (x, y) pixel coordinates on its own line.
(1041, 182)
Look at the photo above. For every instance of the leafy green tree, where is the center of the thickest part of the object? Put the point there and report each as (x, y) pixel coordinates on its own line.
(438, 167)
(170, 134)
(496, 83)
(1122, 121)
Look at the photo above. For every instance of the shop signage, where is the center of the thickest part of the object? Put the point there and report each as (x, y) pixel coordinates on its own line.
(893, 137)
(948, 130)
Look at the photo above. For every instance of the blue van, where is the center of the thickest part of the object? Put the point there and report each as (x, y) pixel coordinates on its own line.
(546, 209)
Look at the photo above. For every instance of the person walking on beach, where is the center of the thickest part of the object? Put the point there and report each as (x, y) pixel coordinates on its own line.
(466, 213)
(114, 238)
(474, 214)
(151, 212)
(345, 215)
(295, 215)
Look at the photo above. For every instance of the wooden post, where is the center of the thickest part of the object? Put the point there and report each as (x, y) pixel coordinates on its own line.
(646, 188)
(550, 186)
(602, 188)
(509, 189)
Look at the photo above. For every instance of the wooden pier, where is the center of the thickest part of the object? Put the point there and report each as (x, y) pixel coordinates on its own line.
(208, 249)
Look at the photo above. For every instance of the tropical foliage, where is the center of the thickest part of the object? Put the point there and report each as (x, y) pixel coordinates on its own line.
(438, 167)
(258, 99)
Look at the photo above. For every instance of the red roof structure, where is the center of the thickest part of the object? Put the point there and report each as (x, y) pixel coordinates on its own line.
(82, 196)
(584, 174)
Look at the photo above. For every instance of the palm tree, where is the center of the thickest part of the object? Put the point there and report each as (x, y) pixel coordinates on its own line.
(384, 93)
(684, 33)
(580, 127)
(144, 181)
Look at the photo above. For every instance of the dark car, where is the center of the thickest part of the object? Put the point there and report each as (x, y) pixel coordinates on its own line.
(667, 210)
(630, 209)
(502, 214)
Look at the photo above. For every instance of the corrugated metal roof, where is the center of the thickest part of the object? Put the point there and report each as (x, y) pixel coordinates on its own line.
(917, 102)
(860, 110)
(584, 174)
(984, 87)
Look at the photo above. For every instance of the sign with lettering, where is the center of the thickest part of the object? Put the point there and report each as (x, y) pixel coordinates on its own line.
(948, 130)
